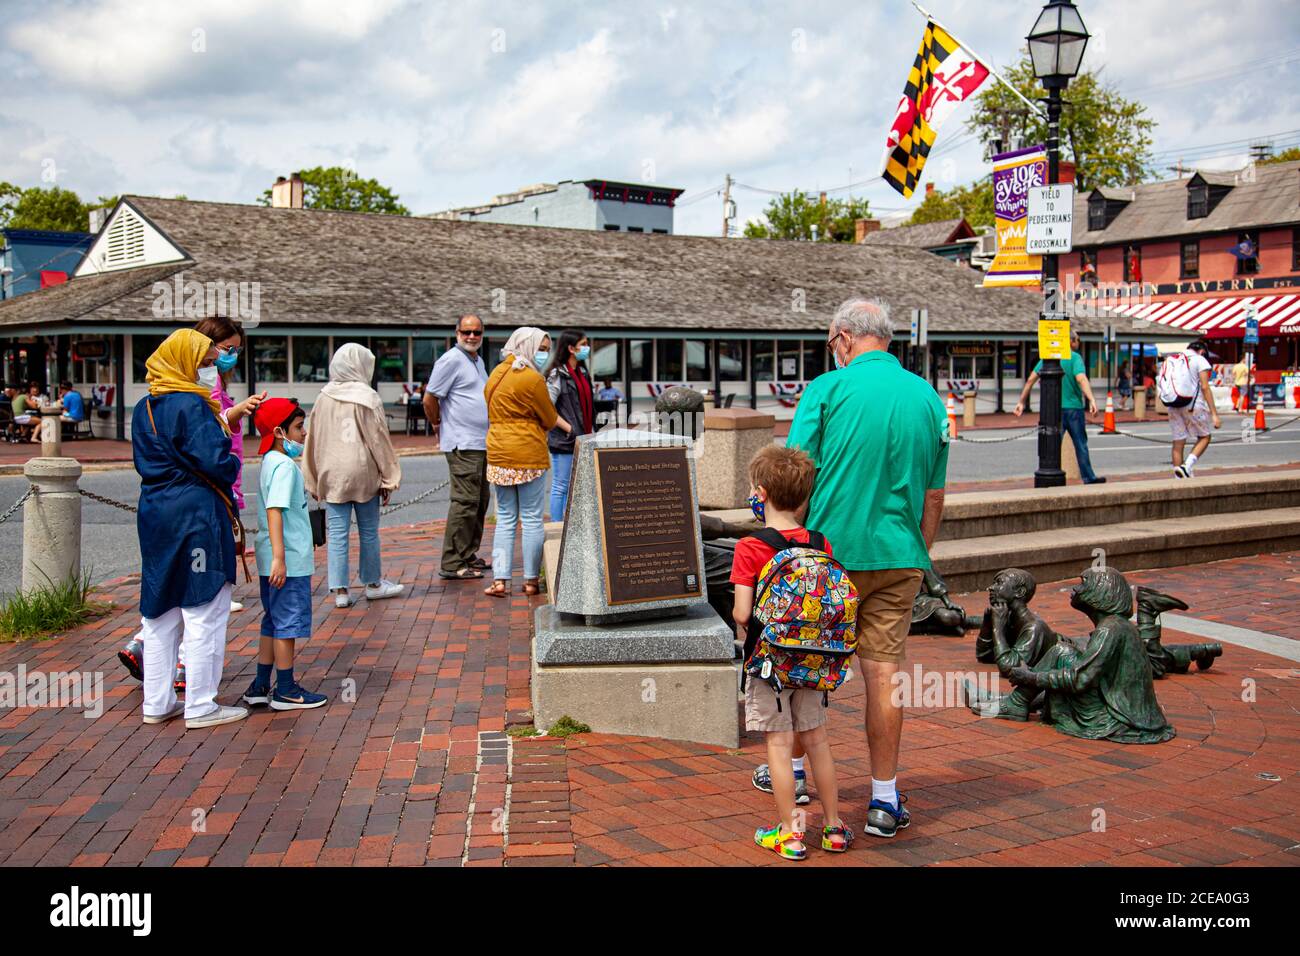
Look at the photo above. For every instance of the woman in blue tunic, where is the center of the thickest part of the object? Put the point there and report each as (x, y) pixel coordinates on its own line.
(187, 526)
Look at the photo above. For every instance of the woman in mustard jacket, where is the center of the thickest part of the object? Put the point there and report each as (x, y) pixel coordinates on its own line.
(520, 414)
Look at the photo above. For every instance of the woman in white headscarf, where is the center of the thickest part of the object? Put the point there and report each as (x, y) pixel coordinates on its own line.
(349, 463)
(520, 413)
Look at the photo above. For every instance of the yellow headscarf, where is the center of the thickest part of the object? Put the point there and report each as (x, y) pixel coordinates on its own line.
(174, 367)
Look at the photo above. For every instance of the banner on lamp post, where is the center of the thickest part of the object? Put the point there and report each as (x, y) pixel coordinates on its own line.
(1014, 174)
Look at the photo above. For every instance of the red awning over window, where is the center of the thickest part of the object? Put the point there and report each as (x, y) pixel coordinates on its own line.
(1222, 316)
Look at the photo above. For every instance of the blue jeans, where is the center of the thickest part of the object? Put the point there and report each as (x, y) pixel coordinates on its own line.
(519, 505)
(1074, 422)
(561, 469)
(338, 520)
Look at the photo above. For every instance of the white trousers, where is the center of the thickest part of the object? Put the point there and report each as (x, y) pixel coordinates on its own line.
(203, 630)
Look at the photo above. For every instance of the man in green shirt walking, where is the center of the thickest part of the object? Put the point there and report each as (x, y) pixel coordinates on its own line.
(1074, 388)
(879, 437)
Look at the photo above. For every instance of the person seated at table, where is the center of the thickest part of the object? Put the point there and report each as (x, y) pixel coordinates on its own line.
(609, 393)
(74, 406)
(27, 412)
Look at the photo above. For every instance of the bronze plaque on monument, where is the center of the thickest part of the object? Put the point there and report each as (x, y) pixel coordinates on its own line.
(648, 526)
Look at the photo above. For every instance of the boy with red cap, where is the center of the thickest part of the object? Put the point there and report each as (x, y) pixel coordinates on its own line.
(285, 557)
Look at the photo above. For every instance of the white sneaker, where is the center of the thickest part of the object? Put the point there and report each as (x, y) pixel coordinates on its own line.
(170, 715)
(222, 715)
(1180, 471)
(235, 606)
(343, 600)
(384, 589)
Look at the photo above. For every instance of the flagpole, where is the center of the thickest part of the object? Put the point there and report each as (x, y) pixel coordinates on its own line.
(1001, 79)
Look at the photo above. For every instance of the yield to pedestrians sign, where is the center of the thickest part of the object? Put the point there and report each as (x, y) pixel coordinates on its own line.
(1050, 219)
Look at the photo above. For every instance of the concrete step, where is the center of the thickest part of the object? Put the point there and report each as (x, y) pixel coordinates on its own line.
(969, 564)
(1025, 510)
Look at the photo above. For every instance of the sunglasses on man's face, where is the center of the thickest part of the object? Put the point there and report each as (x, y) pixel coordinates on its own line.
(478, 332)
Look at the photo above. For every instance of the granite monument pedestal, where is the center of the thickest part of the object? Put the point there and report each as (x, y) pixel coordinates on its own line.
(631, 645)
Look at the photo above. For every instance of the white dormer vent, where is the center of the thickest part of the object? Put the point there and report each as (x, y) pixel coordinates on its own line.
(125, 240)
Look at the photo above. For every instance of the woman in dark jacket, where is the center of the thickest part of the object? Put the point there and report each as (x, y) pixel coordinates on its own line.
(571, 391)
(186, 523)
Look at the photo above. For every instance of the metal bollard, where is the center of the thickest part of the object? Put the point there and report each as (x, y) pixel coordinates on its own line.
(52, 522)
(51, 431)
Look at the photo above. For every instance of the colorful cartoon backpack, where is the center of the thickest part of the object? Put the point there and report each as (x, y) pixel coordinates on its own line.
(803, 632)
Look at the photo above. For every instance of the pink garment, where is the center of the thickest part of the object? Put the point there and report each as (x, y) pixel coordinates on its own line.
(236, 438)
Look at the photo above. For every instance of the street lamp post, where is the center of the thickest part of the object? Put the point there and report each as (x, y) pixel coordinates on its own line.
(1056, 45)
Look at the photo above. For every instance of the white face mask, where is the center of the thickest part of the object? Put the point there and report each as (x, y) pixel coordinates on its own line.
(209, 377)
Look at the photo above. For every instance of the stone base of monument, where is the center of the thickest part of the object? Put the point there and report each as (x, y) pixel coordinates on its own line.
(674, 678)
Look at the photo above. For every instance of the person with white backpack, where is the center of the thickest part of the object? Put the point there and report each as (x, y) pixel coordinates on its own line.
(1184, 386)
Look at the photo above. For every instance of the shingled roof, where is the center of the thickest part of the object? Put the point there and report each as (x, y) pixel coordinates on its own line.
(925, 235)
(1261, 196)
(320, 268)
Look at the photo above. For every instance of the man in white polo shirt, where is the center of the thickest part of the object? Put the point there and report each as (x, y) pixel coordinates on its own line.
(457, 412)
(1193, 421)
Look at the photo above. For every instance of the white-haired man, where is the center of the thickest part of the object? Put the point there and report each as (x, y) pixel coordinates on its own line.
(879, 437)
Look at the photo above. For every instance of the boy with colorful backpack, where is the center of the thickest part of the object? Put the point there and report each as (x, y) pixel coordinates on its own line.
(797, 608)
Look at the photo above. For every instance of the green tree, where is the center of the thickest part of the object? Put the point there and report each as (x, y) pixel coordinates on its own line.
(793, 215)
(337, 187)
(973, 202)
(52, 208)
(1107, 137)
(1286, 156)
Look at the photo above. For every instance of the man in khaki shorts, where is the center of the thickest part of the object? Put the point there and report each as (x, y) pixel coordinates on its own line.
(879, 437)
(1193, 422)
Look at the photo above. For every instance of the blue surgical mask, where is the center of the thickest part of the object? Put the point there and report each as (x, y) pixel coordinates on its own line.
(757, 506)
(582, 353)
(292, 448)
(209, 377)
(227, 360)
(541, 358)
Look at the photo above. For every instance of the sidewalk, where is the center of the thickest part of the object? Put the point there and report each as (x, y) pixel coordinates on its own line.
(418, 770)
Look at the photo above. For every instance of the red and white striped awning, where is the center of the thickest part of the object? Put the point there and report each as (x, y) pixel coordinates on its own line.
(1222, 316)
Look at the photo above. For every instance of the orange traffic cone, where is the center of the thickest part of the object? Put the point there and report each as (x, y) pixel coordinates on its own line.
(952, 417)
(1108, 423)
(1259, 416)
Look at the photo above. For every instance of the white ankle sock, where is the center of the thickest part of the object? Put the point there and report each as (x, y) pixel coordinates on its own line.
(885, 790)
(1191, 461)
(797, 763)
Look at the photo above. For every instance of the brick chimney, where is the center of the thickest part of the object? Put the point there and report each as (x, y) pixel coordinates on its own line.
(864, 227)
(1065, 172)
(929, 188)
(287, 193)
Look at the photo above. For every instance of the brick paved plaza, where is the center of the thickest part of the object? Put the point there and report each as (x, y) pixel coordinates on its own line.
(410, 764)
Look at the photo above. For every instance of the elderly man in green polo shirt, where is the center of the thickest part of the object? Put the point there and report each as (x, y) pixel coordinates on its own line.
(879, 437)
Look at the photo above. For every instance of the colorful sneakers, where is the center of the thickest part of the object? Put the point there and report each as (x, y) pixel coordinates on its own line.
(132, 658)
(780, 844)
(762, 780)
(836, 839)
(179, 683)
(884, 820)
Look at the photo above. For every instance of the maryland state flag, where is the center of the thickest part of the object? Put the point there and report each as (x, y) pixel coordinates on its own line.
(945, 73)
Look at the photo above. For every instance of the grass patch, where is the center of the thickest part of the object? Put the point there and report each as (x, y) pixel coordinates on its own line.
(49, 609)
(566, 726)
(522, 730)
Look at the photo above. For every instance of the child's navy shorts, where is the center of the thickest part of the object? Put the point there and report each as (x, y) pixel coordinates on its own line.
(287, 610)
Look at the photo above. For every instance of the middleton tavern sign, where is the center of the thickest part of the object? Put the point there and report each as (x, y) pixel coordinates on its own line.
(1195, 286)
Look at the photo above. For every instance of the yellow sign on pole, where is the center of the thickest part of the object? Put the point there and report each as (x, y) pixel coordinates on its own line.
(1054, 339)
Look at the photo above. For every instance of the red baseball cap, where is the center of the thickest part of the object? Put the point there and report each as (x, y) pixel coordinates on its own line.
(269, 416)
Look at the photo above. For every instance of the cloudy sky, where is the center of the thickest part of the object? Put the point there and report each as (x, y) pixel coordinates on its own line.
(449, 103)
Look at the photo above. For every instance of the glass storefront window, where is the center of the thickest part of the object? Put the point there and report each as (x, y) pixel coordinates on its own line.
(641, 360)
(92, 358)
(311, 359)
(270, 359)
(984, 366)
(668, 360)
(390, 358)
(142, 346)
(699, 360)
(425, 353)
(731, 360)
(764, 361)
(814, 358)
(787, 361)
(605, 360)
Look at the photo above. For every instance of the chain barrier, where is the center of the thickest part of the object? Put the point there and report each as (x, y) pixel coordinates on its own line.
(420, 497)
(997, 441)
(107, 501)
(31, 489)
(1215, 439)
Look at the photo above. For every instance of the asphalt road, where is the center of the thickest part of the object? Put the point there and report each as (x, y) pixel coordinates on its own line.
(110, 547)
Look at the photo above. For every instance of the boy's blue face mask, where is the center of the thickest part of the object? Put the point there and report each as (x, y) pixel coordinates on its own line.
(757, 506)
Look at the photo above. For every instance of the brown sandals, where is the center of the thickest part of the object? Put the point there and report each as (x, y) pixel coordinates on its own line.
(499, 588)
(531, 587)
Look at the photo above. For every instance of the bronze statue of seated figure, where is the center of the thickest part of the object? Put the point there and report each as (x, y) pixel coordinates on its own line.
(933, 612)
(1098, 687)
(1171, 658)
